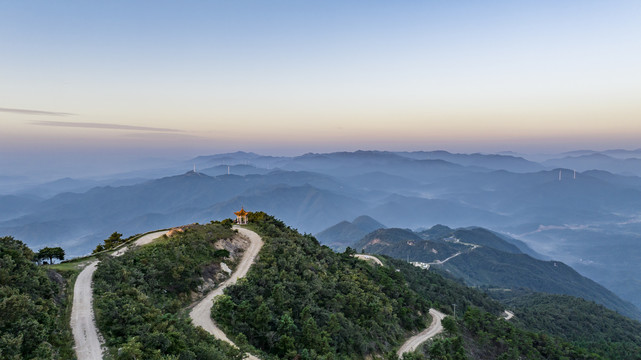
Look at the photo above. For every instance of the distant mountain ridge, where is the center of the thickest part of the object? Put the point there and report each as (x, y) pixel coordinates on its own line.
(239, 169)
(490, 161)
(406, 245)
(598, 161)
(590, 222)
(343, 234)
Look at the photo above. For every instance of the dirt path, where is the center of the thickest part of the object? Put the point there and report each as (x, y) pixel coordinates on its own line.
(427, 266)
(434, 329)
(88, 343)
(507, 315)
(146, 239)
(85, 334)
(201, 313)
(441, 262)
(369, 257)
(457, 241)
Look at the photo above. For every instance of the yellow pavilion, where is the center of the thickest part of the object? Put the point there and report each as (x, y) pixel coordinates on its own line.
(241, 216)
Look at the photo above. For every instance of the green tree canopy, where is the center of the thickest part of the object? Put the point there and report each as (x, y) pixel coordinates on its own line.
(30, 305)
(50, 253)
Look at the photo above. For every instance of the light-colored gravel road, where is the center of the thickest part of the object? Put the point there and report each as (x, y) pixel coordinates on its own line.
(201, 313)
(507, 315)
(146, 239)
(83, 325)
(369, 257)
(434, 329)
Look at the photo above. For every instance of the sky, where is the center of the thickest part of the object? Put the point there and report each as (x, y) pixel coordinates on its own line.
(182, 78)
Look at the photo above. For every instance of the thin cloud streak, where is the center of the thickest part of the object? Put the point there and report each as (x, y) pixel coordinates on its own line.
(35, 112)
(90, 125)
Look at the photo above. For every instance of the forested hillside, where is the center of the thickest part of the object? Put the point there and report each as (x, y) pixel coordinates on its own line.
(546, 326)
(486, 336)
(139, 297)
(479, 332)
(303, 299)
(33, 324)
(595, 327)
(300, 300)
(405, 244)
(482, 258)
(489, 267)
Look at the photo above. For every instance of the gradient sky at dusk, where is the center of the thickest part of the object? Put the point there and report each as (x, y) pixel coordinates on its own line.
(194, 77)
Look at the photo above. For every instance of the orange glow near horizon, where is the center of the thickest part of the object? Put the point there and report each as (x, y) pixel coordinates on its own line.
(325, 75)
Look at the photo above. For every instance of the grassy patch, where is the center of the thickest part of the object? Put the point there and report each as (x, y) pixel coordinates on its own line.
(71, 266)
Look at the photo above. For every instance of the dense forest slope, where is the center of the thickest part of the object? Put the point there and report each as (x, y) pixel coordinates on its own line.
(300, 300)
(558, 326)
(595, 327)
(482, 258)
(303, 299)
(32, 307)
(140, 296)
(489, 267)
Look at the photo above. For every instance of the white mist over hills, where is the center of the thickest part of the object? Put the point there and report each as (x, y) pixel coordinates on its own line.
(590, 221)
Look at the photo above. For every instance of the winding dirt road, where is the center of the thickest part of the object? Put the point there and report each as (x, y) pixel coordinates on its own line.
(434, 329)
(201, 313)
(88, 343)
